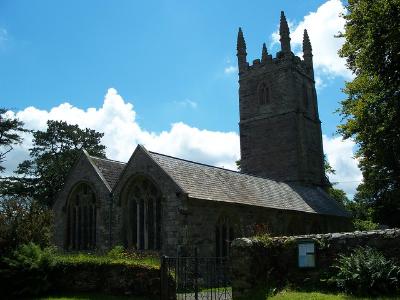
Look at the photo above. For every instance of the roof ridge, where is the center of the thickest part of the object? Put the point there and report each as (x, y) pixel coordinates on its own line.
(207, 165)
(196, 162)
(107, 159)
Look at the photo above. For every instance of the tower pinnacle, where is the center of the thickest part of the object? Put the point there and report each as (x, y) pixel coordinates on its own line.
(241, 51)
(307, 49)
(264, 53)
(284, 34)
(307, 53)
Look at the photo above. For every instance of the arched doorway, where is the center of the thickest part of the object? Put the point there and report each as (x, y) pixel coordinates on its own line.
(81, 218)
(142, 215)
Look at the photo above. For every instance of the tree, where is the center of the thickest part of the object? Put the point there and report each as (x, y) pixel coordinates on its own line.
(371, 111)
(10, 129)
(23, 220)
(239, 165)
(54, 152)
(337, 194)
(361, 213)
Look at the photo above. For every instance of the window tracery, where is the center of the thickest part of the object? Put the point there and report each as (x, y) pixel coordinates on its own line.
(81, 219)
(143, 215)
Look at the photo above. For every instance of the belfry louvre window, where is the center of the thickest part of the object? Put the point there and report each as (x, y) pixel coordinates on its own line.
(224, 235)
(143, 215)
(263, 94)
(81, 219)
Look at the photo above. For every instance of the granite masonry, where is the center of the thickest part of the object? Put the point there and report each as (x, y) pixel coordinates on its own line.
(163, 203)
(260, 262)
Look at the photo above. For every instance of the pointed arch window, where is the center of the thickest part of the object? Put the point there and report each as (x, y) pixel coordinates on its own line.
(81, 219)
(143, 215)
(263, 94)
(224, 235)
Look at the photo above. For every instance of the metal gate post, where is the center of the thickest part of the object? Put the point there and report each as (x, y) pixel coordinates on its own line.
(196, 275)
(164, 278)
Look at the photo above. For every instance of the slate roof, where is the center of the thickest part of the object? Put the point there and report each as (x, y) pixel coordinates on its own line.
(202, 181)
(206, 182)
(110, 169)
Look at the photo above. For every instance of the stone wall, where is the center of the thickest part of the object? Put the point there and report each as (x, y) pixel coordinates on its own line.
(116, 279)
(274, 261)
(171, 202)
(280, 139)
(201, 216)
(83, 173)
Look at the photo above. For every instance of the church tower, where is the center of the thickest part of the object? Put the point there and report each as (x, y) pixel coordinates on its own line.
(280, 130)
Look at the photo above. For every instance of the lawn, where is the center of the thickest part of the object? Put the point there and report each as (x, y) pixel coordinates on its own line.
(284, 295)
(292, 295)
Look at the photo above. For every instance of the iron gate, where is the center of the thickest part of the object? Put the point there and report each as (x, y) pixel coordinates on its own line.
(195, 278)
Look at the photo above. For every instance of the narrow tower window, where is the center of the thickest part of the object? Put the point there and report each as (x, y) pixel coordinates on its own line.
(263, 94)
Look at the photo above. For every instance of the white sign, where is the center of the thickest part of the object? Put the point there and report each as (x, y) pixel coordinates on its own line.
(306, 255)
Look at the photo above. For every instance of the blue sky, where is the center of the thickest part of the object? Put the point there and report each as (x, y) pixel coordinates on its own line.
(168, 62)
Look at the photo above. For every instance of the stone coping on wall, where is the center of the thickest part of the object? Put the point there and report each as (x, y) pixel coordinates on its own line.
(344, 235)
(392, 232)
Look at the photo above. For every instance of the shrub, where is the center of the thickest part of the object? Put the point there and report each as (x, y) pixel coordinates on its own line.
(115, 257)
(23, 220)
(25, 271)
(366, 271)
(117, 252)
(364, 225)
(31, 270)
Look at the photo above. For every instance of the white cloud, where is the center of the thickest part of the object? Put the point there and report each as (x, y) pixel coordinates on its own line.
(340, 154)
(230, 69)
(187, 103)
(322, 26)
(117, 119)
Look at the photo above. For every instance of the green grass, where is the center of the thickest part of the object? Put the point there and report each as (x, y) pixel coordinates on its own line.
(283, 295)
(293, 295)
(137, 260)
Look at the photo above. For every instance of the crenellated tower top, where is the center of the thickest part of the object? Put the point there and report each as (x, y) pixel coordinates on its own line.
(280, 130)
(284, 56)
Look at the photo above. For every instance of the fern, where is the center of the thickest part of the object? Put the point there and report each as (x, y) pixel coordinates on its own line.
(366, 271)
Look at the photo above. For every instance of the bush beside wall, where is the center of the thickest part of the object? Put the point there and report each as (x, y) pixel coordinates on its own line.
(31, 271)
(273, 261)
(107, 278)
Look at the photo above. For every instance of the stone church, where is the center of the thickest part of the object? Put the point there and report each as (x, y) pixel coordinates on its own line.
(171, 205)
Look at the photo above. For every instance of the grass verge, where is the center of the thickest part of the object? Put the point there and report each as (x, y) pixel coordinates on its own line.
(135, 260)
(294, 295)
